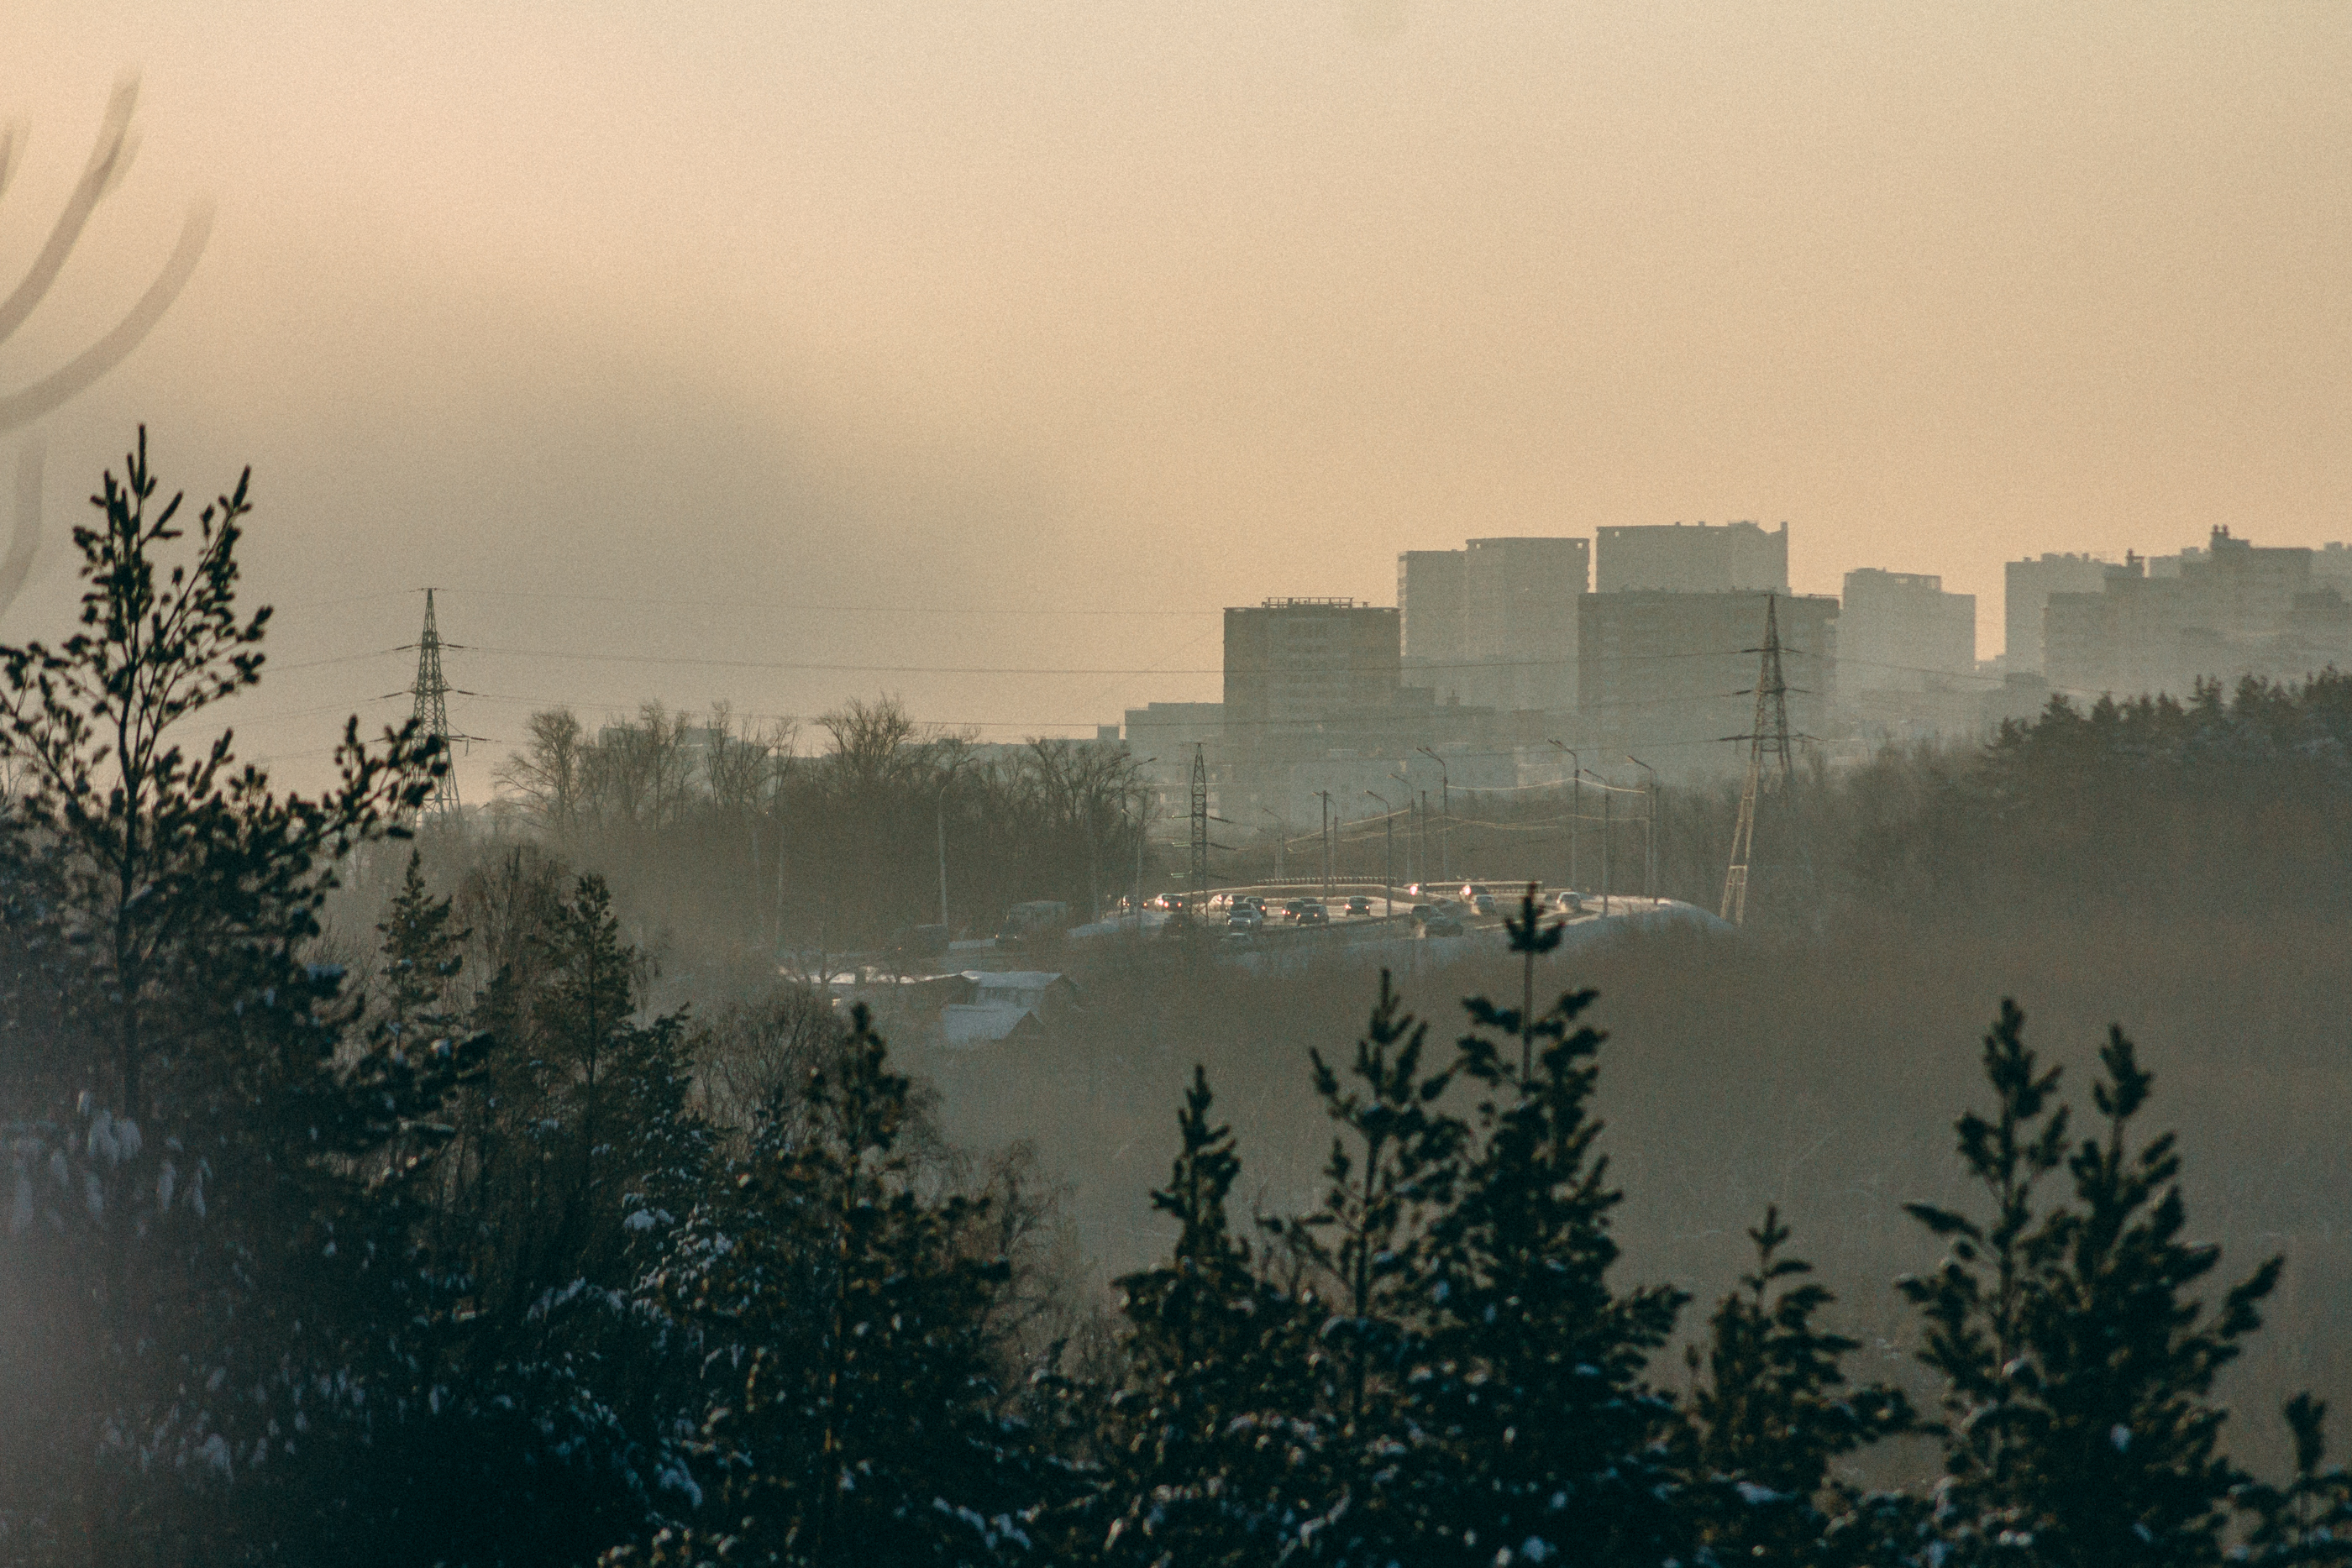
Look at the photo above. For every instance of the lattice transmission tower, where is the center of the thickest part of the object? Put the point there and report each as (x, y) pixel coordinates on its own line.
(1767, 736)
(431, 712)
(1200, 827)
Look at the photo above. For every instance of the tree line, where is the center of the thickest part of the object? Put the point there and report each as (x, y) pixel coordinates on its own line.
(477, 1260)
(731, 835)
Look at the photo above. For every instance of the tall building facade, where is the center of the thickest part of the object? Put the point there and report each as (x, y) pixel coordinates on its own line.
(2026, 588)
(1493, 624)
(1521, 598)
(1674, 557)
(1670, 676)
(1900, 631)
(2229, 610)
(1292, 663)
(1433, 612)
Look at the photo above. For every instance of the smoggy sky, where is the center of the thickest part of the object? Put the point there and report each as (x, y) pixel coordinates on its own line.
(677, 333)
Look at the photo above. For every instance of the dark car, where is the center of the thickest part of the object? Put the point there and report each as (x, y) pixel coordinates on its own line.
(1441, 926)
(1360, 904)
(1314, 914)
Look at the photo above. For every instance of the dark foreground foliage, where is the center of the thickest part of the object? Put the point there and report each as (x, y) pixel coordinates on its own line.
(477, 1260)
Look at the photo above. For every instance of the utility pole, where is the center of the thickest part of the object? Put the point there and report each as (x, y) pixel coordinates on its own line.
(1142, 830)
(1408, 826)
(1200, 829)
(1425, 838)
(1768, 736)
(1281, 841)
(1649, 830)
(1606, 790)
(1330, 839)
(1576, 807)
(1445, 830)
(1388, 863)
(431, 711)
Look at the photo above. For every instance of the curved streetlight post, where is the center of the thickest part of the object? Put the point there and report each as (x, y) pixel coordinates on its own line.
(1400, 778)
(1446, 797)
(1142, 828)
(1649, 830)
(1607, 790)
(1576, 807)
(1281, 839)
(1388, 866)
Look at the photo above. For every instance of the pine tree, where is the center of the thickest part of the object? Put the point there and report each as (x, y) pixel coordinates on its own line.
(2078, 1370)
(847, 1314)
(1202, 1439)
(1544, 1439)
(420, 957)
(1772, 1414)
(220, 1154)
(2308, 1521)
(1390, 1169)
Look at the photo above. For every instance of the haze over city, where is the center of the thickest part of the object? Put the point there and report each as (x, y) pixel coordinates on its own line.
(723, 326)
(1175, 787)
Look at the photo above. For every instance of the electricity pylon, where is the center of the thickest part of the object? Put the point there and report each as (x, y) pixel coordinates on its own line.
(431, 712)
(1200, 827)
(1768, 736)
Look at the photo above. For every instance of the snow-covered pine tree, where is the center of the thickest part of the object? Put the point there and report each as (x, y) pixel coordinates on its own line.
(1539, 1439)
(234, 1292)
(2078, 1369)
(1770, 1411)
(1200, 1444)
(847, 1313)
(1391, 1169)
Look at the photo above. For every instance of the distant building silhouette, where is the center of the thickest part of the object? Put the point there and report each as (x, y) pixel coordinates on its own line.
(2026, 588)
(1900, 631)
(2230, 610)
(1694, 558)
(1674, 672)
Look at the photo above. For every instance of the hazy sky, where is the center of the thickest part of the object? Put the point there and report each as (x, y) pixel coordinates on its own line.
(693, 332)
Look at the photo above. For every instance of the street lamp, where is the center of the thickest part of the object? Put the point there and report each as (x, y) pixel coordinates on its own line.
(1330, 838)
(1445, 801)
(1388, 866)
(1649, 830)
(1408, 834)
(1607, 790)
(1281, 839)
(1576, 808)
(1142, 828)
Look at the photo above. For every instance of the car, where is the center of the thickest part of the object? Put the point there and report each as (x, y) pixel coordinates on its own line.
(1484, 903)
(1422, 911)
(1314, 914)
(1441, 926)
(1474, 890)
(1297, 908)
(1245, 919)
(1360, 904)
(1568, 903)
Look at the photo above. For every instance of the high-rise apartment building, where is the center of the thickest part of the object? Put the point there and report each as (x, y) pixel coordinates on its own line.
(1674, 557)
(1521, 598)
(1668, 675)
(2026, 588)
(1493, 624)
(1290, 663)
(1900, 631)
(2229, 610)
(1434, 611)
